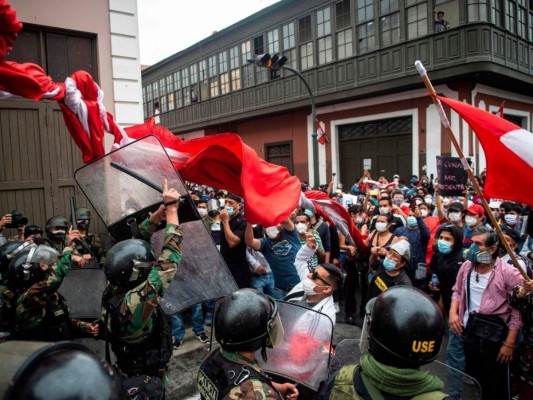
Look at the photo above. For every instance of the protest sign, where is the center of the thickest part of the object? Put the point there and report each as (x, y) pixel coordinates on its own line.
(452, 176)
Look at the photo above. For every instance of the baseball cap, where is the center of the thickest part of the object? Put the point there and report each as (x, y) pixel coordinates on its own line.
(476, 209)
(456, 206)
(403, 248)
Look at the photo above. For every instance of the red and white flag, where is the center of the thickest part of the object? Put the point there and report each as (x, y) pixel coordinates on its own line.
(508, 150)
(321, 132)
(501, 109)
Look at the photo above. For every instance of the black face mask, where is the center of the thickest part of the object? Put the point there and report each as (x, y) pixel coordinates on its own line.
(84, 224)
(57, 237)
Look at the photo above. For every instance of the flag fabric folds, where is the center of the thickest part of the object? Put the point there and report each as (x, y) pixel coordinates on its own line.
(508, 150)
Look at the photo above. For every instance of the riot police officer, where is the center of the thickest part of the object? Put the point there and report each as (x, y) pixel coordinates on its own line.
(89, 246)
(405, 333)
(33, 276)
(56, 232)
(245, 321)
(138, 330)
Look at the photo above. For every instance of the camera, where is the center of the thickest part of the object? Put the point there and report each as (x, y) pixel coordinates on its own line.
(17, 220)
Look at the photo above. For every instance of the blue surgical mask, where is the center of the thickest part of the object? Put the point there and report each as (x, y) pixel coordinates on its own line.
(411, 221)
(388, 264)
(444, 246)
(230, 211)
(471, 253)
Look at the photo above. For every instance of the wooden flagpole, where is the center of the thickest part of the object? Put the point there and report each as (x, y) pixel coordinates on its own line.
(444, 120)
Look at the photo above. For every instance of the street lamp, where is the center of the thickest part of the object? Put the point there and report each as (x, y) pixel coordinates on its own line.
(278, 62)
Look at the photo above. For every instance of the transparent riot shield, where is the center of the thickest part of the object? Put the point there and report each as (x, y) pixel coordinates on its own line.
(303, 355)
(348, 352)
(124, 186)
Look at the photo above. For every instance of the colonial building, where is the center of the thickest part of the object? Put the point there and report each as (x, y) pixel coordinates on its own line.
(358, 59)
(37, 155)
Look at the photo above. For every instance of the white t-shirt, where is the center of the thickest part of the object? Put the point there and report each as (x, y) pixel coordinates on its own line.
(476, 291)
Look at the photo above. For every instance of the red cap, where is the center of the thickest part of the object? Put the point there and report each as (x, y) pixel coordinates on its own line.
(405, 208)
(476, 209)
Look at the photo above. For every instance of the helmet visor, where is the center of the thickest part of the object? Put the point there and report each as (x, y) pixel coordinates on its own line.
(45, 254)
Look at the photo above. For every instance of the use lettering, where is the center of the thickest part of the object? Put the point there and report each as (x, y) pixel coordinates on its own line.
(420, 346)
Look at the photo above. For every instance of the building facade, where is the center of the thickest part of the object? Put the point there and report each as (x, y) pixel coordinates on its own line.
(38, 158)
(358, 58)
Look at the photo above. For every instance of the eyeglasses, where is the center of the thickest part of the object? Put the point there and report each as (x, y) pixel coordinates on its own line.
(314, 276)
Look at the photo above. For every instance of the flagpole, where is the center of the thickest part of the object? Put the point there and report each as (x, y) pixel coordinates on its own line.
(444, 120)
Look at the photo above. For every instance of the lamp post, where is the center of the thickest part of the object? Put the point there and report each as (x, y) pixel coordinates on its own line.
(277, 62)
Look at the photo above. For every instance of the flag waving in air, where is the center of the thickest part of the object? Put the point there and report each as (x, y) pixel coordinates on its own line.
(508, 150)
(321, 132)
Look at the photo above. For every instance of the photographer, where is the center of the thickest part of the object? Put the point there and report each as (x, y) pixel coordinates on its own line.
(13, 220)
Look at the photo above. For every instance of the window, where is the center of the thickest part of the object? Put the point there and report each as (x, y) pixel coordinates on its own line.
(247, 69)
(186, 90)
(280, 154)
(306, 56)
(203, 70)
(289, 50)
(273, 42)
(389, 22)
(155, 89)
(178, 101)
(496, 13)
(323, 22)
(477, 10)
(325, 52)
(258, 45)
(235, 79)
(531, 24)
(305, 35)
(417, 20)
(194, 74)
(246, 51)
(365, 10)
(213, 78)
(224, 83)
(222, 62)
(234, 66)
(170, 92)
(342, 15)
(304, 29)
(522, 22)
(344, 44)
(366, 35)
(184, 77)
(510, 15)
(163, 107)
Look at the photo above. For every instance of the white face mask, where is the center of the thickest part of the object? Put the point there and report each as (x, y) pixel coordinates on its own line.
(358, 220)
(202, 212)
(381, 226)
(454, 216)
(222, 203)
(511, 219)
(446, 202)
(383, 210)
(301, 227)
(424, 213)
(272, 232)
(428, 200)
(418, 202)
(309, 287)
(470, 221)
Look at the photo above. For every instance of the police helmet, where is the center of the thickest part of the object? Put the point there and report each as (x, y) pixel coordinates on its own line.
(24, 269)
(247, 320)
(128, 263)
(82, 213)
(63, 370)
(57, 221)
(406, 329)
(8, 251)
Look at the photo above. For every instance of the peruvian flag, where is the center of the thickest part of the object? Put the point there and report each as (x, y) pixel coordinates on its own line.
(508, 150)
(321, 132)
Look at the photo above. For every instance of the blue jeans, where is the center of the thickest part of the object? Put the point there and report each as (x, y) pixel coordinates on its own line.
(197, 318)
(455, 358)
(279, 294)
(263, 283)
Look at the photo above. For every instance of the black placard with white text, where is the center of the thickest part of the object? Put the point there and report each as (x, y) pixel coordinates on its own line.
(452, 176)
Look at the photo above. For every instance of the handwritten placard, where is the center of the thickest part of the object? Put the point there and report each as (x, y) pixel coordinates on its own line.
(452, 176)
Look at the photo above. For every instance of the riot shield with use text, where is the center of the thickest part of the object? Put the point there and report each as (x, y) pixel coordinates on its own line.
(348, 352)
(304, 353)
(125, 185)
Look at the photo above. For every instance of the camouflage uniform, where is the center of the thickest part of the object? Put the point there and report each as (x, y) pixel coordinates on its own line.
(32, 304)
(91, 244)
(257, 387)
(135, 322)
(6, 308)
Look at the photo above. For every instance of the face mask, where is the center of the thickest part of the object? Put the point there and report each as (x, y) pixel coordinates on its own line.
(444, 246)
(272, 232)
(424, 213)
(383, 210)
(222, 202)
(428, 200)
(230, 211)
(388, 264)
(358, 220)
(397, 202)
(418, 202)
(381, 226)
(483, 257)
(471, 253)
(446, 202)
(470, 221)
(454, 216)
(83, 224)
(309, 287)
(202, 212)
(301, 227)
(510, 219)
(396, 180)
(411, 221)
(58, 236)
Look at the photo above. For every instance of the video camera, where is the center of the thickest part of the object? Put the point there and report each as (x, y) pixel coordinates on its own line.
(17, 220)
